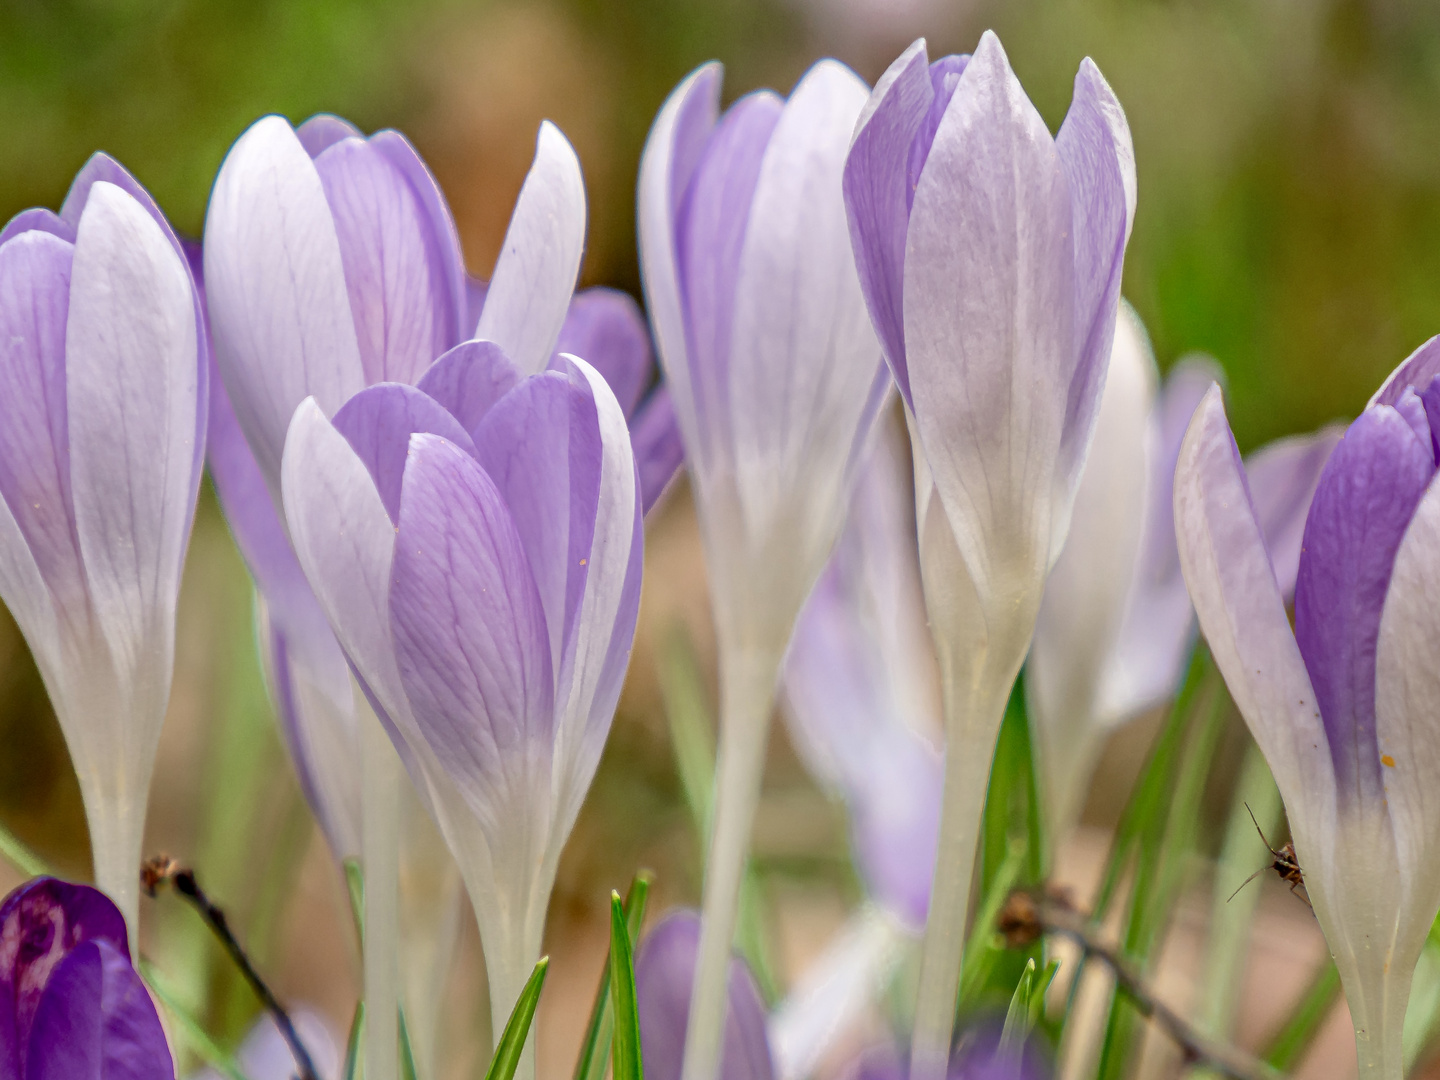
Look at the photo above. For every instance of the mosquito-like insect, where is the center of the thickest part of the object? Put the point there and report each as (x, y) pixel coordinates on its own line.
(1285, 864)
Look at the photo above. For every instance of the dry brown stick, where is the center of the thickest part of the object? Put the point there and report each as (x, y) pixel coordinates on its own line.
(1027, 915)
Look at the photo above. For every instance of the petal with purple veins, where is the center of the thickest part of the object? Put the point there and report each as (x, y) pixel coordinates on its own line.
(469, 379)
(606, 328)
(1282, 476)
(659, 449)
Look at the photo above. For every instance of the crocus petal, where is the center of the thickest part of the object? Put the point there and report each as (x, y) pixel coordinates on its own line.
(275, 289)
(378, 423)
(39, 219)
(400, 286)
(798, 396)
(1418, 370)
(1242, 615)
(535, 274)
(944, 78)
(672, 152)
(470, 635)
(606, 328)
(659, 449)
(132, 377)
(324, 130)
(878, 193)
(265, 1055)
(664, 972)
(989, 327)
(1283, 476)
(469, 379)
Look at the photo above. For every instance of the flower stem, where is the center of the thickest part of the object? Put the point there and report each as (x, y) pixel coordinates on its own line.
(117, 833)
(747, 693)
(380, 771)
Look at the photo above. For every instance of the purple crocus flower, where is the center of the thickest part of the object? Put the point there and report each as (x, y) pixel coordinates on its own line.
(664, 976)
(475, 542)
(1115, 627)
(71, 1006)
(102, 432)
(1344, 707)
(990, 255)
(775, 378)
(978, 1055)
(265, 1055)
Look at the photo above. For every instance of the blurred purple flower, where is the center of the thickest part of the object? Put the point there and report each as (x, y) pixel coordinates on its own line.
(1345, 707)
(265, 1055)
(775, 378)
(102, 432)
(990, 255)
(1115, 627)
(977, 1055)
(475, 542)
(664, 976)
(71, 1006)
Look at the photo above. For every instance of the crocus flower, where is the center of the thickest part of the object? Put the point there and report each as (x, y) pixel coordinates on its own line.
(775, 378)
(1116, 626)
(265, 1055)
(102, 432)
(71, 1006)
(1344, 707)
(664, 976)
(978, 1055)
(991, 256)
(476, 544)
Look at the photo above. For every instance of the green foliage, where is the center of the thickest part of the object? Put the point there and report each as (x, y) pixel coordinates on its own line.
(1295, 1035)
(355, 1044)
(625, 1047)
(512, 1042)
(592, 1061)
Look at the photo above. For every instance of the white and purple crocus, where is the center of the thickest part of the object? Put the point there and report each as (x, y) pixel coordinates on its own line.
(102, 439)
(990, 254)
(776, 378)
(1346, 706)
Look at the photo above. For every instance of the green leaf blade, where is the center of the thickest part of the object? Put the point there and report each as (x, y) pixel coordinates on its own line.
(517, 1029)
(625, 1047)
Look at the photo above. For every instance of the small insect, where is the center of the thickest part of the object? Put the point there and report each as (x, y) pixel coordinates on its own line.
(1286, 864)
(156, 871)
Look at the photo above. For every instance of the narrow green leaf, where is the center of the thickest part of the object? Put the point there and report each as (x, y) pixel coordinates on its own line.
(517, 1029)
(1017, 1017)
(353, 1051)
(692, 733)
(985, 945)
(185, 1025)
(593, 1057)
(18, 855)
(355, 885)
(1295, 1036)
(625, 1046)
(407, 1056)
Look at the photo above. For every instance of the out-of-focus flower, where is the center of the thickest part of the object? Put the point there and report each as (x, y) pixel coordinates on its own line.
(1345, 707)
(71, 1005)
(775, 378)
(102, 435)
(1116, 626)
(979, 1054)
(991, 258)
(664, 978)
(476, 544)
(265, 1055)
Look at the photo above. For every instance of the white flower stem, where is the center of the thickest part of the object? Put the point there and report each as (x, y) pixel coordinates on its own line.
(511, 953)
(747, 694)
(1378, 1013)
(117, 835)
(381, 778)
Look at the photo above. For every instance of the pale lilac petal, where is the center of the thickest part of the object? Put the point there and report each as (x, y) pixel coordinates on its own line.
(469, 379)
(275, 289)
(944, 78)
(1367, 493)
(989, 329)
(1283, 475)
(38, 219)
(664, 974)
(469, 632)
(606, 328)
(709, 234)
(804, 357)
(1418, 370)
(1094, 143)
(1242, 615)
(475, 292)
(535, 274)
(378, 423)
(132, 379)
(878, 192)
(672, 151)
(659, 449)
(396, 271)
(1407, 704)
(324, 130)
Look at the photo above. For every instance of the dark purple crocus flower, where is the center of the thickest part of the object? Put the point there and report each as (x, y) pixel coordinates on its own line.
(71, 1006)
(1347, 706)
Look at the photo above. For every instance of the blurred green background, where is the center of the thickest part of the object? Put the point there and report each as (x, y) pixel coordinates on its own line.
(1288, 224)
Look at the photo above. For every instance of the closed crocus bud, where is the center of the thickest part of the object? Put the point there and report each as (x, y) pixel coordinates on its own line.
(475, 542)
(664, 974)
(991, 258)
(1346, 707)
(1116, 627)
(71, 1006)
(102, 433)
(775, 378)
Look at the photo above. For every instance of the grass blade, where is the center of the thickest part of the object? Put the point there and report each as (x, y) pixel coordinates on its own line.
(512, 1042)
(18, 855)
(352, 1044)
(1294, 1038)
(625, 1052)
(195, 1036)
(593, 1057)
(407, 1056)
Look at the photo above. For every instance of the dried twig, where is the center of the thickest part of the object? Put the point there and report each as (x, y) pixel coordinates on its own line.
(1027, 915)
(161, 869)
